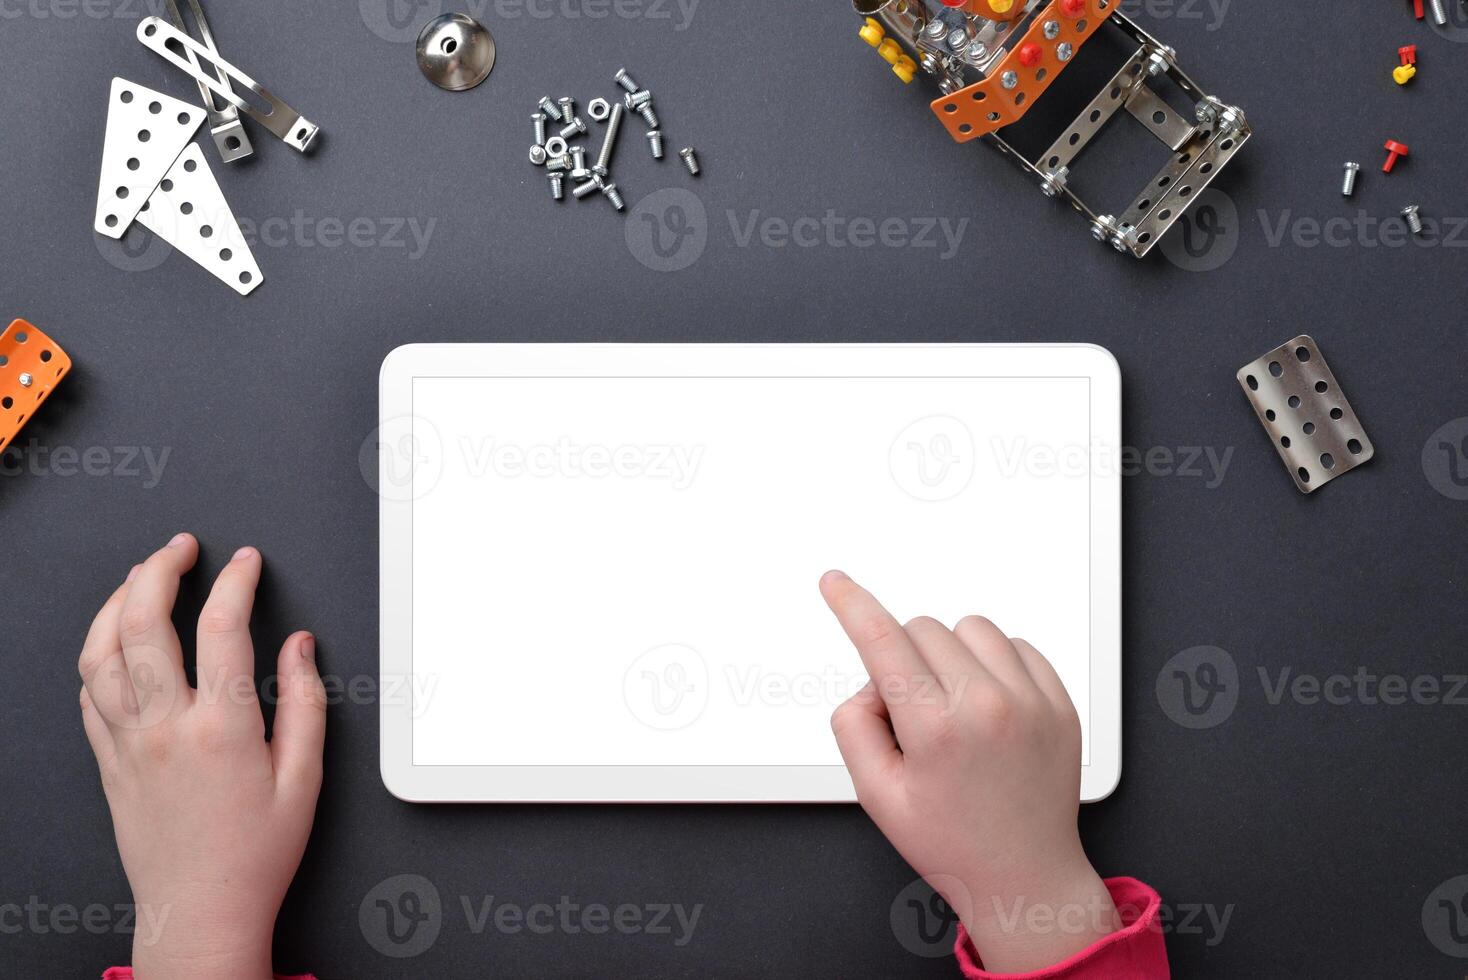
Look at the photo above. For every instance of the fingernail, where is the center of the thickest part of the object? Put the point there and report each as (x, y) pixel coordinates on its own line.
(243, 553)
(834, 575)
(134, 572)
(308, 649)
(178, 541)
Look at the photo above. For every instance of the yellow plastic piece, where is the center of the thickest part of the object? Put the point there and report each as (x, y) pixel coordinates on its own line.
(890, 51)
(905, 69)
(873, 32)
(1403, 74)
(1002, 6)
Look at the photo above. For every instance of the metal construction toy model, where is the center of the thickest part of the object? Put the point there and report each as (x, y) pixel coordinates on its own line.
(995, 59)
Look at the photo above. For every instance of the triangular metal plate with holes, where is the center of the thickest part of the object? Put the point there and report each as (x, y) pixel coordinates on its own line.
(188, 210)
(146, 131)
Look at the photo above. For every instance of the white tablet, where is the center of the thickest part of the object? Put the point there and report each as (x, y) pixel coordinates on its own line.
(600, 562)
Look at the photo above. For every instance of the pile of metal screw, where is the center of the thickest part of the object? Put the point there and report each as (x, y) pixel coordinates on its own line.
(562, 160)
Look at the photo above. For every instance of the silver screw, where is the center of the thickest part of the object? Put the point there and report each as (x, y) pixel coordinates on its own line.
(537, 155)
(568, 108)
(587, 189)
(655, 140)
(562, 162)
(1052, 29)
(614, 195)
(1009, 79)
(558, 185)
(549, 108)
(1439, 13)
(957, 39)
(978, 51)
(1414, 219)
(1348, 188)
(935, 29)
(26, 380)
(574, 128)
(649, 116)
(636, 100)
(604, 158)
(537, 119)
(578, 163)
(690, 159)
(625, 80)
(1063, 51)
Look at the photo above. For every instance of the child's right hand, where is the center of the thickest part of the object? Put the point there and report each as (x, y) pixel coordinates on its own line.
(965, 751)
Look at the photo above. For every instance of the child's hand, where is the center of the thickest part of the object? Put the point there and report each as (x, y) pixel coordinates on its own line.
(211, 820)
(966, 752)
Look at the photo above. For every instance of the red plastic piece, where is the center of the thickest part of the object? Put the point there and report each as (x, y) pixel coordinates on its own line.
(1408, 54)
(1417, 6)
(1396, 151)
(1073, 8)
(1030, 54)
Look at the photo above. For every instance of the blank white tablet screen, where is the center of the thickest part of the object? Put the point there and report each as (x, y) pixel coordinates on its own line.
(622, 571)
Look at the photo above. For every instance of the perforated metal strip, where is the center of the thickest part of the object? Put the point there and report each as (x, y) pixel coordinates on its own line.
(1302, 407)
(31, 366)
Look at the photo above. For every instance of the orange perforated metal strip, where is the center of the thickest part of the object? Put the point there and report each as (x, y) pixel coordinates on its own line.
(31, 366)
(987, 105)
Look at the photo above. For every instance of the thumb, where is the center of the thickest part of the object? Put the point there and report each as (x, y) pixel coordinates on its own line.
(300, 717)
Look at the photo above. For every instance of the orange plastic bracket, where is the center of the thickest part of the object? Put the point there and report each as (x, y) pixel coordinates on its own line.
(31, 366)
(987, 105)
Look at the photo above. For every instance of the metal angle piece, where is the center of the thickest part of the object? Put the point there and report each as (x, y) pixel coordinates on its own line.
(188, 210)
(175, 47)
(229, 135)
(1302, 407)
(146, 131)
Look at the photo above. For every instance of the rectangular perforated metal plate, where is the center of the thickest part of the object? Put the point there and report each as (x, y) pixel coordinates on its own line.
(1302, 407)
(31, 366)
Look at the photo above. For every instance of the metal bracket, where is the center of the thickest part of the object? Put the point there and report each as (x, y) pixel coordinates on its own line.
(229, 135)
(31, 366)
(146, 131)
(189, 211)
(186, 54)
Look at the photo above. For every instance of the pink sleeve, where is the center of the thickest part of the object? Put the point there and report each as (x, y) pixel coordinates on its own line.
(1135, 952)
(126, 973)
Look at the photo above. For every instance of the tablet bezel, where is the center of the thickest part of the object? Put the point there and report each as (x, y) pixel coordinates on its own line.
(733, 784)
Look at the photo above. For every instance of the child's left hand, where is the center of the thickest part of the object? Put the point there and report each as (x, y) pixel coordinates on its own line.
(211, 819)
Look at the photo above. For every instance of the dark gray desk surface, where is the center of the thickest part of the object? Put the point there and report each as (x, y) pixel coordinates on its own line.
(1324, 828)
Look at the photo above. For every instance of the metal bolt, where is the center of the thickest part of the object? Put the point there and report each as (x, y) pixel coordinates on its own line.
(549, 108)
(537, 155)
(649, 116)
(562, 162)
(558, 185)
(587, 189)
(537, 119)
(574, 128)
(26, 380)
(1439, 13)
(1052, 29)
(1063, 51)
(578, 163)
(978, 51)
(614, 195)
(568, 108)
(604, 158)
(1009, 79)
(1414, 219)
(935, 29)
(1348, 188)
(690, 160)
(655, 140)
(625, 80)
(636, 100)
(1157, 64)
(957, 39)
(1054, 182)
